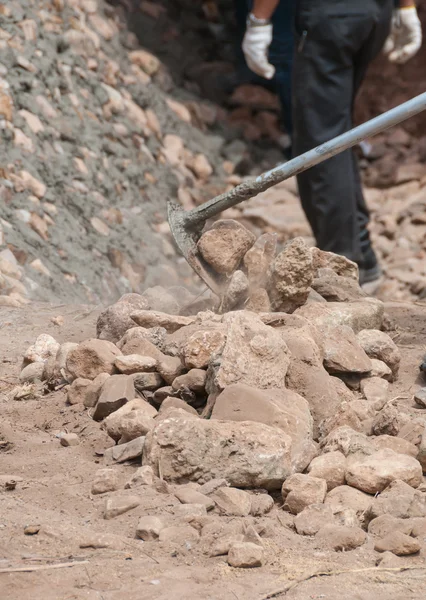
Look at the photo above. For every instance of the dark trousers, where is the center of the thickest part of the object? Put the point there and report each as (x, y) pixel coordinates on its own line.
(280, 53)
(335, 42)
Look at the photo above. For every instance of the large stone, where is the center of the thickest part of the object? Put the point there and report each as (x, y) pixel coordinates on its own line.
(283, 409)
(236, 292)
(300, 491)
(91, 358)
(125, 452)
(387, 421)
(106, 480)
(398, 543)
(135, 363)
(375, 390)
(261, 504)
(77, 390)
(202, 347)
(116, 424)
(341, 538)
(187, 495)
(313, 518)
(380, 345)
(247, 455)
(115, 320)
(399, 500)
(348, 442)
(35, 372)
(118, 505)
(177, 535)
(156, 336)
(147, 381)
(292, 273)
(116, 391)
(385, 524)
(245, 555)
(331, 467)
(363, 314)
(254, 353)
(345, 416)
(225, 244)
(142, 476)
(396, 444)
(149, 528)
(43, 348)
(93, 391)
(343, 354)
(232, 502)
(341, 265)
(194, 380)
(151, 318)
(335, 288)
(345, 497)
(258, 259)
(374, 473)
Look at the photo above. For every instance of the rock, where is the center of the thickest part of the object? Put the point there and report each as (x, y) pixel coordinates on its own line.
(348, 442)
(232, 502)
(114, 321)
(399, 500)
(374, 473)
(343, 354)
(421, 455)
(379, 345)
(331, 467)
(145, 60)
(420, 397)
(55, 367)
(170, 403)
(261, 504)
(194, 380)
(385, 524)
(184, 535)
(134, 363)
(143, 476)
(201, 348)
(43, 348)
(91, 358)
(125, 452)
(225, 244)
(201, 166)
(413, 431)
(147, 381)
(380, 369)
(375, 390)
(418, 527)
(106, 480)
(254, 353)
(186, 495)
(119, 423)
(341, 265)
(258, 301)
(93, 391)
(312, 518)
(118, 505)
(396, 444)
(151, 318)
(32, 372)
(149, 528)
(212, 486)
(387, 421)
(341, 538)
(398, 543)
(291, 276)
(246, 454)
(156, 336)
(258, 259)
(335, 288)
(344, 416)
(77, 390)
(283, 409)
(69, 439)
(345, 497)
(116, 391)
(236, 292)
(363, 314)
(300, 491)
(245, 555)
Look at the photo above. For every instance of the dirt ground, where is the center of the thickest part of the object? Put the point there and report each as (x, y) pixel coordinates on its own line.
(106, 561)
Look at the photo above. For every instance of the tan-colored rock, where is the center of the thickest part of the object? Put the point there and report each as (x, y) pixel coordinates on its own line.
(232, 502)
(106, 480)
(200, 166)
(300, 491)
(312, 518)
(117, 423)
(381, 526)
(291, 276)
(172, 403)
(77, 390)
(344, 497)
(225, 244)
(331, 467)
(339, 264)
(69, 439)
(201, 347)
(147, 381)
(91, 358)
(135, 363)
(245, 555)
(32, 372)
(145, 60)
(187, 495)
(343, 354)
(236, 292)
(348, 442)
(184, 535)
(363, 314)
(261, 504)
(93, 391)
(143, 476)
(43, 348)
(380, 369)
(380, 345)
(196, 449)
(335, 288)
(124, 452)
(398, 543)
(152, 318)
(118, 505)
(116, 391)
(396, 444)
(6, 106)
(179, 109)
(149, 528)
(259, 258)
(374, 473)
(194, 380)
(115, 320)
(387, 421)
(341, 538)
(375, 390)
(420, 397)
(399, 500)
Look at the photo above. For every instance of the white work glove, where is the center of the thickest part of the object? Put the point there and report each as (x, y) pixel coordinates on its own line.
(255, 47)
(406, 35)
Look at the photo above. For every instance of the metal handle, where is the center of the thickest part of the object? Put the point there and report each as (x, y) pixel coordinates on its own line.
(249, 189)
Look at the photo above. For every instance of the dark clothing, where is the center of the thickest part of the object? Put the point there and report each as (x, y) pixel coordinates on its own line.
(335, 42)
(280, 52)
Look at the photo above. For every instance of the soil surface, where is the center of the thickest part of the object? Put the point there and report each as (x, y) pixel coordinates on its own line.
(104, 559)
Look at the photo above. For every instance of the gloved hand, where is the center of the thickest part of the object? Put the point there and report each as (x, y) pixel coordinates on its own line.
(406, 35)
(256, 44)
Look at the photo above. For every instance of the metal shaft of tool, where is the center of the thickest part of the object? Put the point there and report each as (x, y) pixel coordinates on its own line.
(251, 188)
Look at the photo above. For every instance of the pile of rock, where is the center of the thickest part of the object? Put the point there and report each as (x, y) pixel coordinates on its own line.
(231, 412)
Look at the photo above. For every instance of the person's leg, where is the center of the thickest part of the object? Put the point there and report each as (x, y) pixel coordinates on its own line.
(324, 89)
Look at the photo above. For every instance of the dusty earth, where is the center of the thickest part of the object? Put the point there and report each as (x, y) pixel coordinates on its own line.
(104, 560)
